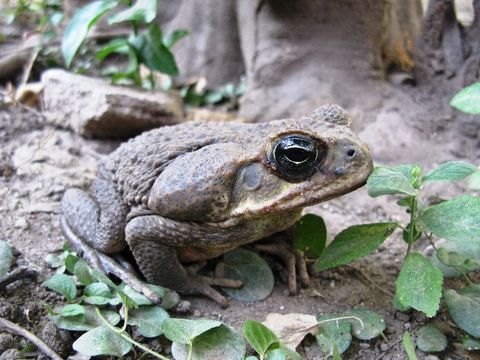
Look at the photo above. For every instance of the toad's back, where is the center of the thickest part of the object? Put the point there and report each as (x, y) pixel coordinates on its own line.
(136, 164)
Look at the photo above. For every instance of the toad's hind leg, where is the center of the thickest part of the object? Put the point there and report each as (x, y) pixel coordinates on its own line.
(159, 263)
(99, 219)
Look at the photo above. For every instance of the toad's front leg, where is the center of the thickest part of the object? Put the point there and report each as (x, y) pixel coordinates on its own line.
(153, 246)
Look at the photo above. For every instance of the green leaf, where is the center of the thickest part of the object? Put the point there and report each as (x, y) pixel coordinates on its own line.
(260, 337)
(310, 235)
(471, 344)
(172, 38)
(97, 294)
(293, 355)
(276, 354)
(474, 181)
(465, 256)
(353, 243)
(119, 46)
(63, 284)
(430, 339)
(82, 272)
(70, 262)
(102, 341)
(101, 277)
(384, 180)
(252, 270)
(452, 170)
(55, 261)
(72, 310)
(218, 343)
(398, 305)
(88, 321)
(335, 333)
(78, 27)
(148, 319)
(366, 325)
(6, 257)
(468, 99)
(419, 284)
(143, 11)
(183, 331)
(454, 220)
(139, 298)
(409, 346)
(464, 310)
(153, 53)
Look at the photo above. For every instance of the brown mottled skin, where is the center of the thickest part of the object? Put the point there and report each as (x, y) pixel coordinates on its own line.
(193, 191)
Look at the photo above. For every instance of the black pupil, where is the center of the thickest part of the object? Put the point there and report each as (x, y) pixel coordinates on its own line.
(351, 152)
(296, 156)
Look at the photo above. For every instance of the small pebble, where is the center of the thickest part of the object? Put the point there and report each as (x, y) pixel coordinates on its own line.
(407, 325)
(22, 223)
(384, 347)
(285, 292)
(197, 313)
(183, 307)
(364, 345)
(431, 357)
(282, 308)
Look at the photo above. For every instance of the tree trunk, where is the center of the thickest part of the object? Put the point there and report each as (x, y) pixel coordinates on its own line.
(212, 49)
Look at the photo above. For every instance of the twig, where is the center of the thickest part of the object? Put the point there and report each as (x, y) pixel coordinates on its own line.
(18, 330)
(28, 67)
(371, 281)
(19, 273)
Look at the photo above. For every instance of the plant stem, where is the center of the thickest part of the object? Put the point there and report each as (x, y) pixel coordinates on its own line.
(128, 338)
(413, 210)
(190, 349)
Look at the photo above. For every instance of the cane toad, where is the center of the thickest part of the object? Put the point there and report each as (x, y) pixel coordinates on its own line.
(193, 191)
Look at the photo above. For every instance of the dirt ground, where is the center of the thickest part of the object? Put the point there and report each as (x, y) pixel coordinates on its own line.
(38, 162)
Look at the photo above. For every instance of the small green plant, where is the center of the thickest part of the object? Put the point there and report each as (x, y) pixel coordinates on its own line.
(419, 285)
(47, 15)
(146, 45)
(96, 306)
(197, 94)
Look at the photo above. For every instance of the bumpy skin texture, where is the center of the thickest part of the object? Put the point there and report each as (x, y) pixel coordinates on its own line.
(193, 191)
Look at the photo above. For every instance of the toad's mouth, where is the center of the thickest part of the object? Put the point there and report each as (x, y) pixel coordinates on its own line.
(299, 198)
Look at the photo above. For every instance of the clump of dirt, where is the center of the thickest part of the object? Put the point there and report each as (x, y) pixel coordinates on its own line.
(39, 162)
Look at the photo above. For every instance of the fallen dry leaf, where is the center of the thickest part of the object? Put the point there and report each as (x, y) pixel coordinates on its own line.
(291, 328)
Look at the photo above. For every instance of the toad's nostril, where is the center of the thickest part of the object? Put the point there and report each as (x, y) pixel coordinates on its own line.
(339, 170)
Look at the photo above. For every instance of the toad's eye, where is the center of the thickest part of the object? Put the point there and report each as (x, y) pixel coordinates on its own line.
(296, 156)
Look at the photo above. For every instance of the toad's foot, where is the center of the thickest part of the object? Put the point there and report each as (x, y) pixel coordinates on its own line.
(106, 264)
(293, 259)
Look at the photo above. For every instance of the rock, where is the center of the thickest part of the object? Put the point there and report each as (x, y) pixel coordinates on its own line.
(10, 354)
(94, 108)
(57, 339)
(6, 342)
(197, 114)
